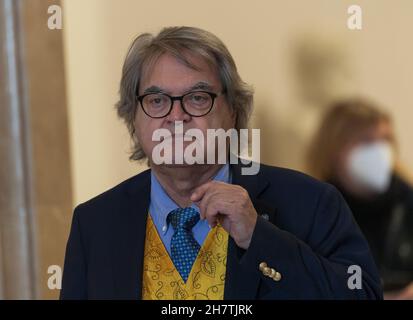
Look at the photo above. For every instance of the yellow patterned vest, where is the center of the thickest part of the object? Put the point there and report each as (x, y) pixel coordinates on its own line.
(161, 281)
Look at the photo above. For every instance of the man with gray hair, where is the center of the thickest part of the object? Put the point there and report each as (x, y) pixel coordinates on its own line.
(204, 230)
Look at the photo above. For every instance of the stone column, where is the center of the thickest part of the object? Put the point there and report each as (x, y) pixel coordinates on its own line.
(17, 241)
(35, 179)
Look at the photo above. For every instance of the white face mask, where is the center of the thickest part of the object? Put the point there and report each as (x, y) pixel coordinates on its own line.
(370, 165)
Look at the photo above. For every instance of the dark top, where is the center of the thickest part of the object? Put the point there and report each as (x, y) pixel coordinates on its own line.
(387, 222)
(304, 230)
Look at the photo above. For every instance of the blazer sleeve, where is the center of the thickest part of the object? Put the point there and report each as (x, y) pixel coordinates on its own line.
(74, 279)
(318, 266)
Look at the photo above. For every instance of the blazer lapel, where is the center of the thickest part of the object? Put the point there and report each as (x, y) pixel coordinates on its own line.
(129, 238)
(242, 282)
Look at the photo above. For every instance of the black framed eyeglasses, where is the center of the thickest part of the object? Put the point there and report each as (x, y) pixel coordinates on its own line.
(195, 103)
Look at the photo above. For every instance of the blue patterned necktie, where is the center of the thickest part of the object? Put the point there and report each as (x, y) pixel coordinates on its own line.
(184, 247)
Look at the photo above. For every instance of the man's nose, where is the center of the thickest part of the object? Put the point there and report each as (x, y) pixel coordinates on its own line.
(177, 113)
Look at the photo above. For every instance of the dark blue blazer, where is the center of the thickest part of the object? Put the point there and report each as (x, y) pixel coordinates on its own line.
(305, 230)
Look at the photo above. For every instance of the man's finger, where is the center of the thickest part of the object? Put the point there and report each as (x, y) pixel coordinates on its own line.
(200, 191)
(202, 207)
(203, 204)
(211, 214)
(206, 200)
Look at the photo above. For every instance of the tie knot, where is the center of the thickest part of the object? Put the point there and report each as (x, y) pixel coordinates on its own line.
(183, 218)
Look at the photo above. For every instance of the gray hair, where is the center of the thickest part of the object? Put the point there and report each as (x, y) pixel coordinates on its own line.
(177, 41)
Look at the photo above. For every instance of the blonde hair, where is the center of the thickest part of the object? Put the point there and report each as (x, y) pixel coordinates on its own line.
(180, 41)
(343, 122)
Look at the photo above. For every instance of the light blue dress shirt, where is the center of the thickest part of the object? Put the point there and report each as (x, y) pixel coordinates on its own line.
(161, 205)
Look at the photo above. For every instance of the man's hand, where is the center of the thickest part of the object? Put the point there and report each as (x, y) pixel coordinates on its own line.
(231, 206)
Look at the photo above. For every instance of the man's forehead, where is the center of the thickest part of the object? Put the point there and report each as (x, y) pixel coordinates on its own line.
(162, 74)
(186, 58)
(201, 85)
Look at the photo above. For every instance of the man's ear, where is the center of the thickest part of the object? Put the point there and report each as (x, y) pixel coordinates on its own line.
(135, 135)
(232, 113)
(233, 117)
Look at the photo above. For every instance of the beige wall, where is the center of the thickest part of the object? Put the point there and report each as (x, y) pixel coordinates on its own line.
(261, 35)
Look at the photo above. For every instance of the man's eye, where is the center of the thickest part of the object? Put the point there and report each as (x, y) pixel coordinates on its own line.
(157, 100)
(199, 98)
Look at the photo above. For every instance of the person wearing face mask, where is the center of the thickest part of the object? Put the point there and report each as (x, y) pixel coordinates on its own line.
(356, 151)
